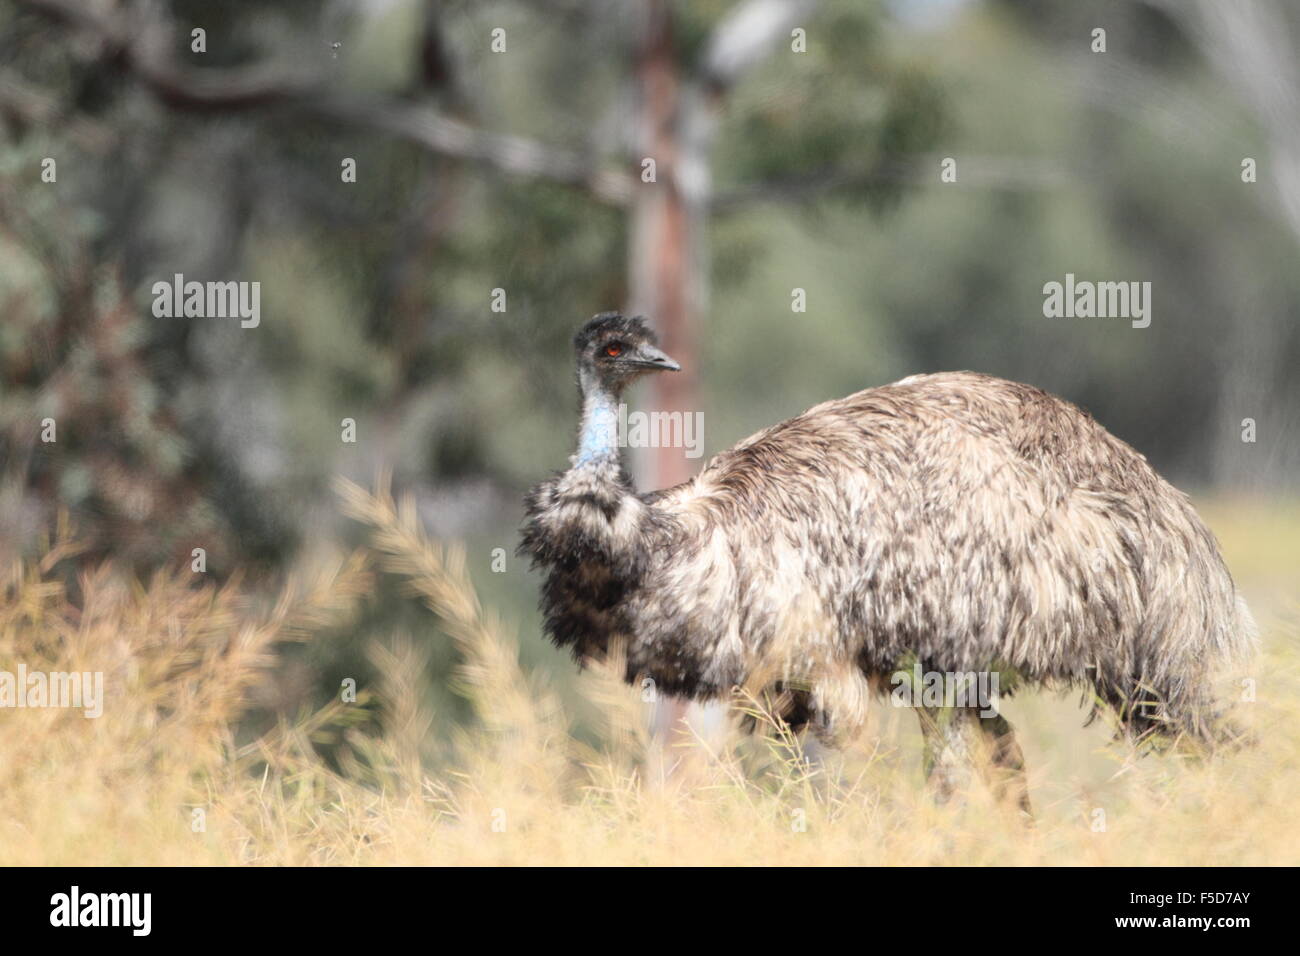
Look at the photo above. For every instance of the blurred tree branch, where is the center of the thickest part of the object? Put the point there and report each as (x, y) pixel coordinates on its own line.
(257, 86)
(745, 37)
(1016, 174)
(737, 44)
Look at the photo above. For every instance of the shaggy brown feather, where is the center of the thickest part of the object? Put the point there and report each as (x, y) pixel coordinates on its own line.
(965, 521)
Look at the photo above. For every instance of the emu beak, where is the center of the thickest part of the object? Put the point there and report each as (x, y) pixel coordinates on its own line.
(647, 356)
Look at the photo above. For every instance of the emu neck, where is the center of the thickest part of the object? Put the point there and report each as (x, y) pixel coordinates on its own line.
(598, 437)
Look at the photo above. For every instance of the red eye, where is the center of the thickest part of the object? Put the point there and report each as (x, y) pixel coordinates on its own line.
(614, 350)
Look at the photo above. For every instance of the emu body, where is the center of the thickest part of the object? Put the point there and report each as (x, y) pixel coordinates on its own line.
(955, 519)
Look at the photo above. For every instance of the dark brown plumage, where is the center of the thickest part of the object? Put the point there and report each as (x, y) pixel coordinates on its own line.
(958, 520)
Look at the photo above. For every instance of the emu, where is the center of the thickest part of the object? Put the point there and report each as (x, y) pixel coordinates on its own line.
(950, 522)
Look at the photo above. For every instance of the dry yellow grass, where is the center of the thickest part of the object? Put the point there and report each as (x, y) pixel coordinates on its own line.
(180, 661)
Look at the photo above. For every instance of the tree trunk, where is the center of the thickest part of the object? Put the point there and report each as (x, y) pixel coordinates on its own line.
(663, 263)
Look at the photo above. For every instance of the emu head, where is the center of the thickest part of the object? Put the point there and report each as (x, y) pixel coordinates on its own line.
(614, 350)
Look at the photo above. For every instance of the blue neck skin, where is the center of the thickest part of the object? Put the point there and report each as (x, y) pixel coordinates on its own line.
(598, 441)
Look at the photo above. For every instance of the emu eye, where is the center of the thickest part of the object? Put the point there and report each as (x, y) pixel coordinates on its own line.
(614, 350)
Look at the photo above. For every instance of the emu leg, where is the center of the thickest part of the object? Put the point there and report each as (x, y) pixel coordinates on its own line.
(1006, 765)
(958, 739)
(951, 742)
